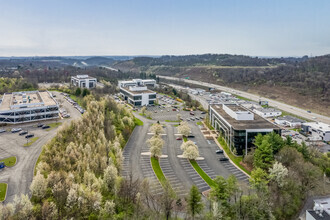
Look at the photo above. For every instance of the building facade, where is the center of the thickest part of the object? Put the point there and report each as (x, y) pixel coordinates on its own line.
(319, 128)
(83, 81)
(267, 112)
(238, 126)
(29, 106)
(138, 95)
(289, 120)
(137, 82)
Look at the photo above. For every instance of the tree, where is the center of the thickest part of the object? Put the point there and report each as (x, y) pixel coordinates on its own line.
(278, 173)
(156, 129)
(195, 205)
(186, 144)
(259, 179)
(78, 91)
(110, 176)
(85, 92)
(148, 114)
(263, 156)
(143, 110)
(167, 199)
(23, 207)
(191, 152)
(178, 117)
(38, 186)
(184, 128)
(155, 144)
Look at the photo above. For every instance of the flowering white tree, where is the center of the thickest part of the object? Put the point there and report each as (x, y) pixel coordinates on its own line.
(184, 128)
(184, 145)
(38, 186)
(178, 117)
(23, 206)
(110, 176)
(156, 144)
(143, 110)
(156, 129)
(191, 152)
(278, 173)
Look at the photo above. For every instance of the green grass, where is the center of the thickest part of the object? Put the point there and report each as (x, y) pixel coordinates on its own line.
(3, 191)
(10, 161)
(32, 140)
(176, 125)
(201, 172)
(172, 121)
(243, 98)
(138, 122)
(185, 139)
(199, 123)
(76, 99)
(235, 159)
(53, 125)
(296, 129)
(296, 116)
(158, 171)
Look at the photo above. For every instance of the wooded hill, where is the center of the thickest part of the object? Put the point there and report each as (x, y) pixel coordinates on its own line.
(290, 80)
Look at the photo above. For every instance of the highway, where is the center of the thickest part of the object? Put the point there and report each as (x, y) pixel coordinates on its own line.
(285, 107)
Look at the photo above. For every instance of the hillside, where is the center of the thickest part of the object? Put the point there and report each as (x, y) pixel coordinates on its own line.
(303, 82)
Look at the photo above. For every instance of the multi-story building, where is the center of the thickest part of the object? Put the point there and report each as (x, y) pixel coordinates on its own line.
(83, 81)
(138, 95)
(320, 128)
(320, 211)
(238, 126)
(137, 82)
(20, 107)
(288, 120)
(267, 112)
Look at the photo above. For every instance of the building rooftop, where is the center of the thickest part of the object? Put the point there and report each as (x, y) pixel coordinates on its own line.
(318, 215)
(291, 119)
(257, 123)
(319, 126)
(83, 77)
(128, 89)
(17, 100)
(267, 110)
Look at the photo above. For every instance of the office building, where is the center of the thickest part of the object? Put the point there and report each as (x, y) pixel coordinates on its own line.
(137, 82)
(320, 211)
(267, 112)
(238, 126)
(289, 120)
(83, 81)
(138, 95)
(319, 128)
(29, 106)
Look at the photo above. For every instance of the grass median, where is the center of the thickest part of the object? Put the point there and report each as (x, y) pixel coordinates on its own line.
(201, 172)
(172, 120)
(3, 191)
(9, 162)
(236, 159)
(157, 170)
(138, 122)
(53, 125)
(32, 140)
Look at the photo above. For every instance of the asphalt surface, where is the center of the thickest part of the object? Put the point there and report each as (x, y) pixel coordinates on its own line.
(20, 176)
(288, 108)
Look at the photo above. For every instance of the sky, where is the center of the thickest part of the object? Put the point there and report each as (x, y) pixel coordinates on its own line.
(164, 27)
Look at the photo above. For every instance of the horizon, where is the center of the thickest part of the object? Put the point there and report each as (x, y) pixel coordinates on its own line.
(129, 28)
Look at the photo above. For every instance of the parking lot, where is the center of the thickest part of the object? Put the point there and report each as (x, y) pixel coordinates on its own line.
(19, 177)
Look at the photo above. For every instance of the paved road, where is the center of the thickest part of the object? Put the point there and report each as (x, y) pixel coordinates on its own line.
(19, 177)
(285, 107)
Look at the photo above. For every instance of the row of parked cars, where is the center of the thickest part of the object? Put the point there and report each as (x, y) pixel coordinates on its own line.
(22, 132)
(75, 104)
(64, 113)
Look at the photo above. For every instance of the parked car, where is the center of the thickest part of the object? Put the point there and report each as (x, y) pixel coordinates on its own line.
(29, 136)
(40, 125)
(192, 113)
(179, 138)
(191, 136)
(223, 159)
(45, 126)
(2, 131)
(219, 151)
(203, 113)
(23, 133)
(14, 130)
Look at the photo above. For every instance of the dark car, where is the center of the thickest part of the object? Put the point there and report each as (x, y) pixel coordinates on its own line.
(40, 125)
(192, 113)
(203, 113)
(223, 159)
(219, 151)
(179, 138)
(45, 126)
(29, 136)
(191, 136)
(23, 133)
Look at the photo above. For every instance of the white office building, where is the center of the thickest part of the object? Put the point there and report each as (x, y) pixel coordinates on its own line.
(322, 129)
(138, 95)
(29, 106)
(267, 112)
(137, 82)
(289, 120)
(83, 81)
(320, 211)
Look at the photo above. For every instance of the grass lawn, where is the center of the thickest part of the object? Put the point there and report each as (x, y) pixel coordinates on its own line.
(243, 98)
(172, 121)
(176, 125)
(3, 191)
(234, 158)
(53, 125)
(10, 161)
(201, 172)
(199, 123)
(158, 171)
(76, 99)
(32, 140)
(185, 139)
(138, 122)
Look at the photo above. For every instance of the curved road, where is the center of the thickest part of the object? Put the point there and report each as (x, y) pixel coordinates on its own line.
(285, 107)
